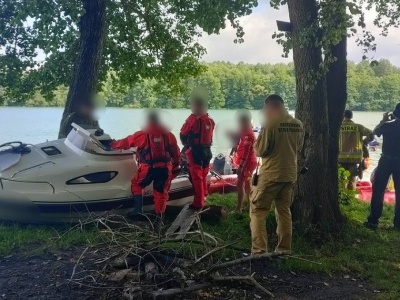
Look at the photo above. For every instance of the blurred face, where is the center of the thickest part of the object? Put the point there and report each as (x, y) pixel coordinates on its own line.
(272, 111)
(86, 111)
(244, 124)
(197, 109)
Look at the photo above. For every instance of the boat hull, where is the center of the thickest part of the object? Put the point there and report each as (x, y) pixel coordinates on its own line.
(14, 207)
(223, 184)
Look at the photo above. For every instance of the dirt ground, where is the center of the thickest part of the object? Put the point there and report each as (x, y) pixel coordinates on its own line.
(46, 276)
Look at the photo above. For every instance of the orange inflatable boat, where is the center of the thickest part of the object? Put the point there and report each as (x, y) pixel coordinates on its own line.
(365, 193)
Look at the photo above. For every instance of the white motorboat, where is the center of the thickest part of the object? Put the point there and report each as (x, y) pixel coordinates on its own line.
(67, 180)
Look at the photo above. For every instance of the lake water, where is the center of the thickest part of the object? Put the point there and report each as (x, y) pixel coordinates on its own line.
(36, 125)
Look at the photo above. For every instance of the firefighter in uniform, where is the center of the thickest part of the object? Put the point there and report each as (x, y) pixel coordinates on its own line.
(196, 135)
(158, 155)
(351, 142)
(389, 164)
(278, 144)
(245, 158)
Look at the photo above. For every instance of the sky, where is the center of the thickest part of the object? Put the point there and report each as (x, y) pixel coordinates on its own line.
(259, 47)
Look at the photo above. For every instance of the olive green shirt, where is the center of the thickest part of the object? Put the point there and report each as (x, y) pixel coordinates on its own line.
(278, 144)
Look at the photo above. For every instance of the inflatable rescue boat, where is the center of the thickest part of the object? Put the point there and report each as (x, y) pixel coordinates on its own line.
(67, 180)
(364, 189)
(224, 177)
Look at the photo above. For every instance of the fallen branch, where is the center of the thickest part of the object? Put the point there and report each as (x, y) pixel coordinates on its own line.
(248, 279)
(242, 261)
(77, 263)
(130, 246)
(212, 252)
(260, 287)
(303, 259)
(177, 291)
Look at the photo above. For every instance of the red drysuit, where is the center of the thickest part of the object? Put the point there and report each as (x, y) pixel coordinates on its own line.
(196, 134)
(157, 154)
(245, 158)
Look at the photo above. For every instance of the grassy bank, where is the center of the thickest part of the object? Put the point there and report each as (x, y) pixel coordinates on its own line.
(355, 251)
(33, 239)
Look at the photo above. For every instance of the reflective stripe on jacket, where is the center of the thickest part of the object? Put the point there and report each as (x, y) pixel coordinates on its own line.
(351, 142)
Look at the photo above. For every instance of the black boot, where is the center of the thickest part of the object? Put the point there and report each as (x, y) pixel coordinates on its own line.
(137, 207)
(158, 223)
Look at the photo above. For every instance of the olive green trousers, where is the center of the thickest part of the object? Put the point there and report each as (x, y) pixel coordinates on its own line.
(261, 198)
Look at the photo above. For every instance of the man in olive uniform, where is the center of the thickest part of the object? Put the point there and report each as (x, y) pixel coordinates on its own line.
(351, 142)
(278, 144)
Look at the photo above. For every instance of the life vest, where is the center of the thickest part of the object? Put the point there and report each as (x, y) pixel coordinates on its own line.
(156, 152)
(350, 143)
(202, 134)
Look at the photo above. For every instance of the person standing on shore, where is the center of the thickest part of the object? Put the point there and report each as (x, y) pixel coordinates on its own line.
(278, 144)
(245, 158)
(351, 142)
(197, 136)
(389, 164)
(158, 155)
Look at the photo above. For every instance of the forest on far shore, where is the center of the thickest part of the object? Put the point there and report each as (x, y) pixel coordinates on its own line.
(233, 86)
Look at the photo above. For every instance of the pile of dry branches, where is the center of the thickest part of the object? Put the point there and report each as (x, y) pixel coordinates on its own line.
(145, 264)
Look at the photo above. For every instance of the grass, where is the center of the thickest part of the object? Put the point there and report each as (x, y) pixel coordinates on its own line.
(34, 239)
(355, 251)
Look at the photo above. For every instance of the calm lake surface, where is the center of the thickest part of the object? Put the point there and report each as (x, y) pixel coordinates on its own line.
(36, 125)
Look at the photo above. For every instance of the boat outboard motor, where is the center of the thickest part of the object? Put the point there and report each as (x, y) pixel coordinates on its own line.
(221, 165)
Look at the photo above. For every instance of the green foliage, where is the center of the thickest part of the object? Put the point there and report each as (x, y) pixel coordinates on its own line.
(232, 86)
(345, 196)
(154, 39)
(335, 20)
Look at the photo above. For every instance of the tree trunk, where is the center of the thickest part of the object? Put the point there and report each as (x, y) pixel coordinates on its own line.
(92, 28)
(336, 81)
(313, 205)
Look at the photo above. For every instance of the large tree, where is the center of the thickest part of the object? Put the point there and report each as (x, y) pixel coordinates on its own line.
(319, 42)
(80, 41)
(318, 201)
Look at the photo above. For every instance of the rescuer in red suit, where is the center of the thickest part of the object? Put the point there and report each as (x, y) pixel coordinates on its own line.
(158, 155)
(196, 135)
(245, 158)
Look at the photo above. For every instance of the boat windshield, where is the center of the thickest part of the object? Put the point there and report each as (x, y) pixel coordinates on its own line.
(86, 141)
(77, 139)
